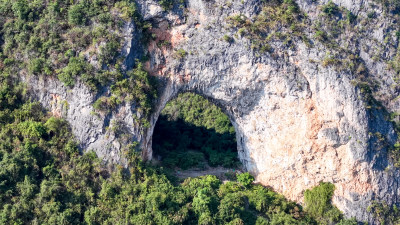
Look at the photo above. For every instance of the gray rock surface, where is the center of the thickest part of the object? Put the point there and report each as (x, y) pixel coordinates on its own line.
(297, 122)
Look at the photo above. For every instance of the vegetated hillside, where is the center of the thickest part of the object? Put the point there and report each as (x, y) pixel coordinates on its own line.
(80, 47)
(190, 129)
(330, 72)
(44, 179)
(76, 40)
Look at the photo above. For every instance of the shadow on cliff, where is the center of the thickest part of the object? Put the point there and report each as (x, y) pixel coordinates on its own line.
(381, 139)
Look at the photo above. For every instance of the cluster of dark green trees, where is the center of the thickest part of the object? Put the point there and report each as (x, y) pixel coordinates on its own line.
(191, 131)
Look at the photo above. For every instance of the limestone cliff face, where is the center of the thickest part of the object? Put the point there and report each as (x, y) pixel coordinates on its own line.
(298, 121)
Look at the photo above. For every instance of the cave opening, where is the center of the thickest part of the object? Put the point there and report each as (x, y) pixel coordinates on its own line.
(192, 133)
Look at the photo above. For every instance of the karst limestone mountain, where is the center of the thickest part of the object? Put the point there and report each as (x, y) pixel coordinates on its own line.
(311, 89)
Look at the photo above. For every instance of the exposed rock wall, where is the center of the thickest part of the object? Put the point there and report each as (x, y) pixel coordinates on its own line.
(297, 122)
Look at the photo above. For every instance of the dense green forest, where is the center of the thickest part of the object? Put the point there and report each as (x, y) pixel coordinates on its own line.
(191, 129)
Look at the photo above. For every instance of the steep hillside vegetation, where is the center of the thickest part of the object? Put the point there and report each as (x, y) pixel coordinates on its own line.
(76, 40)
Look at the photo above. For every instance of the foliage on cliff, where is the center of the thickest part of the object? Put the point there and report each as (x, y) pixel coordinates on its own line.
(278, 20)
(385, 213)
(136, 86)
(73, 40)
(318, 204)
(190, 128)
(56, 37)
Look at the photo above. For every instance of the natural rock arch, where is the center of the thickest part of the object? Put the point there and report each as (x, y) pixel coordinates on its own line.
(294, 131)
(297, 123)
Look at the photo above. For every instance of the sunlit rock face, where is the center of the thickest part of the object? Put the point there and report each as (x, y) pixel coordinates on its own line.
(298, 122)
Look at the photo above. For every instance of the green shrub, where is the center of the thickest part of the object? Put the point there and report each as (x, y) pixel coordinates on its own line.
(232, 207)
(350, 17)
(184, 160)
(53, 124)
(109, 51)
(330, 8)
(105, 18)
(166, 4)
(138, 87)
(71, 149)
(21, 9)
(348, 222)
(180, 53)
(32, 129)
(127, 8)
(321, 35)
(318, 203)
(292, 7)
(238, 19)
(262, 221)
(242, 31)
(265, 48)
(384, 213)
(227, 38)
(245, 179)
(76, 66)
(214, 157)
(36, 65)
(76, 15)
(282, 218)
(106, 104)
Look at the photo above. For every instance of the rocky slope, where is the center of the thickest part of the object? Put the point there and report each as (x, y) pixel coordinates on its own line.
(311, 108)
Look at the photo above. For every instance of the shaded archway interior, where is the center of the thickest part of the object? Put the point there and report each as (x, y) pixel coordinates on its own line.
(192, 132)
